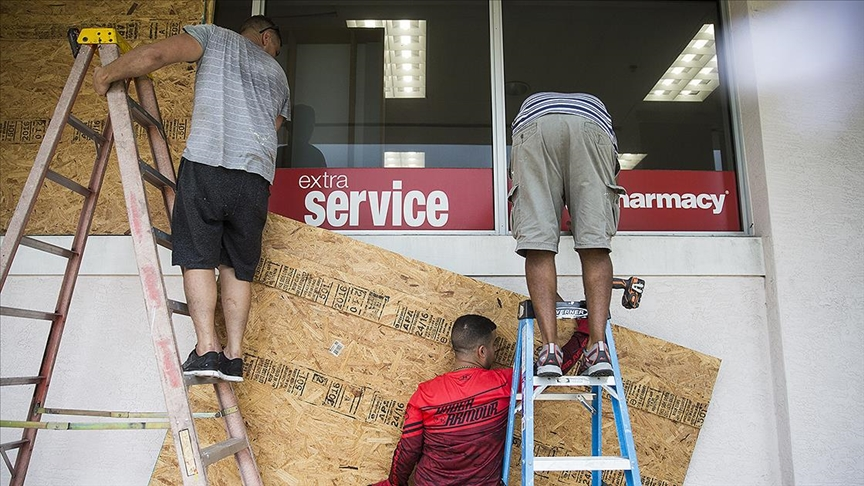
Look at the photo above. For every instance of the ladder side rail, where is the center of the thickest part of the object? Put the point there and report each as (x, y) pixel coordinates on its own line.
(158, 139)
(64, 299)
(597, 432)
(47, 149)
(236, 428)
(511, 416)
(527, 401)
(183, 431)
(622, 416)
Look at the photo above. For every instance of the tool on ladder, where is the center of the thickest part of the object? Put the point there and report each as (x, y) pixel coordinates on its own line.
(533, 388)
(119, 132)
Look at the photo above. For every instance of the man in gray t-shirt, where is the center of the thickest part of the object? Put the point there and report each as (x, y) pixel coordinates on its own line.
(223, 185)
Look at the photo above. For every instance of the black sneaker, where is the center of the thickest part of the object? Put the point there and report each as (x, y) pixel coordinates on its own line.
(207, 365)
(230, 369)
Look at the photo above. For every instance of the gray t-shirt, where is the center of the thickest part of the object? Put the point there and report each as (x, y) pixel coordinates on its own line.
(239, 92)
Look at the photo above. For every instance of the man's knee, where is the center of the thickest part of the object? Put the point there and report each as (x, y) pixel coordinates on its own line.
(593, 256)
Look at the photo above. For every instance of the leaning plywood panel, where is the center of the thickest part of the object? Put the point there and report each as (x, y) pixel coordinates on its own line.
(340, 334)
(36, 60)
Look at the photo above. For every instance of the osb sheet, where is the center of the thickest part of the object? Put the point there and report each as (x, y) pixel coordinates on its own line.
(35, 60)
(340, 334)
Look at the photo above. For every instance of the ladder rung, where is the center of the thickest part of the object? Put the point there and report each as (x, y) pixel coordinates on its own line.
(20, 380)
(85, 130)
(8, 446)
(162, 238)
(189, 380)
(560, 396)
(28, 314)
(155, 177)
(178, 307)
(221, 450)
(575, 381)
(143, 117)
(67, 183)
(47, 247)
(584, 463)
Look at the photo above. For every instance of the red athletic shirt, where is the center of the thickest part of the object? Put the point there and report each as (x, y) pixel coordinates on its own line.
(455, 425)
(454, 430)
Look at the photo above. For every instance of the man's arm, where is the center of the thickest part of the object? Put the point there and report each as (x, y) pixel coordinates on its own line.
(408, 450)
(146, 59)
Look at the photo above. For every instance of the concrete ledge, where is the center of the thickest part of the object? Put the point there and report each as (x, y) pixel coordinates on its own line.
(475, 255)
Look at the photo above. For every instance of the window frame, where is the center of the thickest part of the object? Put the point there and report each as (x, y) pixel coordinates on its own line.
(500, 125)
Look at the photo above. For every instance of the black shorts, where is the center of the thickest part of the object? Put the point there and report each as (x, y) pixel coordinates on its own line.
(219, 216)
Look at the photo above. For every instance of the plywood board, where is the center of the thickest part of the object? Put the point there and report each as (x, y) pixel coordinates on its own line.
(35, 60)
(340, 334)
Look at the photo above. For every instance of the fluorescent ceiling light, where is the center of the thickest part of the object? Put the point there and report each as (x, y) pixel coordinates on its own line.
(404, 55)
(630, 161)
(695, 69)
(405, 159)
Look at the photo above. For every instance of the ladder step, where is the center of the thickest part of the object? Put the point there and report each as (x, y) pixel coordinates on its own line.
(178, 307)
(221, 450)
(155, 177)
(584, 463)
(28, 314)
(162, 238)
(560, 396)
(201, 380)
(85, 130)
(20, 380)
(67, 183)
(575, 381)
(571, 310)
(16, 444)
(143, 117)
(46, 247)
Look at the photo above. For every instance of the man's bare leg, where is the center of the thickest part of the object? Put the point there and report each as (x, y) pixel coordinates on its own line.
(236, 301)
(597, 280)
(200, 288)
(542, 280)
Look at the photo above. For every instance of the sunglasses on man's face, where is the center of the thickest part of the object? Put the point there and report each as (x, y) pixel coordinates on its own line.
(274, 28)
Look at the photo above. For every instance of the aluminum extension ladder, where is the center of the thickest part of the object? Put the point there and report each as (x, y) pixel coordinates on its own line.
(119, 131)
(523, 377)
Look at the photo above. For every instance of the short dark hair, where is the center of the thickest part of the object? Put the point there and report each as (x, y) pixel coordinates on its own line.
(470, 331)
(258, 24)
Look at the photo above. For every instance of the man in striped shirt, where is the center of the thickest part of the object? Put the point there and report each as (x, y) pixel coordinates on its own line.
(223, 186)
(565, 153)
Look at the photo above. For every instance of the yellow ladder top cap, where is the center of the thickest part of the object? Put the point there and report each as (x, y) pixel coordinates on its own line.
(103, 35)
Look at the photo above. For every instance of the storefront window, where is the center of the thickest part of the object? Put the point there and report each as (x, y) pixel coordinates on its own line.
(393, 108)
(658, 68)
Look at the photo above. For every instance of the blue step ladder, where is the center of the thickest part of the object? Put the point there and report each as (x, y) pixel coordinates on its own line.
(523, 372)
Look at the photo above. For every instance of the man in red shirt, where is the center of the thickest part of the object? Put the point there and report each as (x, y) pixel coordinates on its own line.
(456, 423)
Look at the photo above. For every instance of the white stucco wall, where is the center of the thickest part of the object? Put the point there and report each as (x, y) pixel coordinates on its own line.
(106, 362)
(804, 136)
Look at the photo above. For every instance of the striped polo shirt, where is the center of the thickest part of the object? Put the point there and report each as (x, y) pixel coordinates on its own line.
(579, 104)
(239, 92)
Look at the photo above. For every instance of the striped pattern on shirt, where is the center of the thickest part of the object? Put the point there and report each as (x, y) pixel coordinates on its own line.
(239, 92)
(579, 104)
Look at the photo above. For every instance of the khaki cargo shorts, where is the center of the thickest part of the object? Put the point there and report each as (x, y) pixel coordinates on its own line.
(563, 159)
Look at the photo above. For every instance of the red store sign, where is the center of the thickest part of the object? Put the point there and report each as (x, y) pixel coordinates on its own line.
(461, 199)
